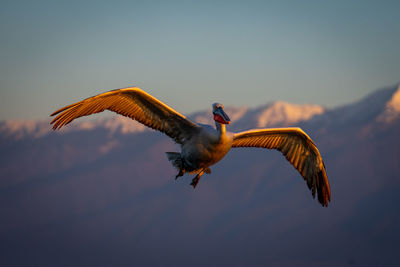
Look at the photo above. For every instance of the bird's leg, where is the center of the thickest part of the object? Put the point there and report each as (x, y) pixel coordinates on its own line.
(180, 173)
(179, 164)
(196, 179)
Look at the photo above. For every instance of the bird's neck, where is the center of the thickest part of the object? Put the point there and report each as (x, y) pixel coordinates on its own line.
(220, 129)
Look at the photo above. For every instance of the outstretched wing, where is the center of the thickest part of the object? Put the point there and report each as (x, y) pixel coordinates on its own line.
(134, 103)
(299, 150)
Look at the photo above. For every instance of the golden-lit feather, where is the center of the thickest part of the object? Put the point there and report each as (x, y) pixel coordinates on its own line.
(134, 103)
(299, 150)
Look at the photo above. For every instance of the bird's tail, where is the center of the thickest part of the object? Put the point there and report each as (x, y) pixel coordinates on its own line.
(175, 159)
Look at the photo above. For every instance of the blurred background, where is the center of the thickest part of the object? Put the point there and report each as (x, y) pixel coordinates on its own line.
(330, 53)
(101, 191)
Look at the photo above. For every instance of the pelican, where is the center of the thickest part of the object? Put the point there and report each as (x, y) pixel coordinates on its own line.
(202, 145)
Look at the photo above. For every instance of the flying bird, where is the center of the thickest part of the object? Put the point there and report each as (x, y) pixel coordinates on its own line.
(203, 145)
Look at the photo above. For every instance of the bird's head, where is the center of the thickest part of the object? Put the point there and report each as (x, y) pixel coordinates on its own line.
(219, 114)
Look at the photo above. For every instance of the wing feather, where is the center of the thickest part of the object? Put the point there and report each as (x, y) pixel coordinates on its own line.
(134, 103)
(299, 150)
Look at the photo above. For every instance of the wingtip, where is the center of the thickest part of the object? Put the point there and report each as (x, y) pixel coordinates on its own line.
(324, 190)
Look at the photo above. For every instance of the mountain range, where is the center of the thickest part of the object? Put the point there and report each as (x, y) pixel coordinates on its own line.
(102, 193)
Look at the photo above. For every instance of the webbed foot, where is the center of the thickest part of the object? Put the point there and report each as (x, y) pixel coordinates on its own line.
(195, 181)
(181, 173)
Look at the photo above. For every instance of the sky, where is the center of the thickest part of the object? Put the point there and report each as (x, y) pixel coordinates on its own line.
(190, 54)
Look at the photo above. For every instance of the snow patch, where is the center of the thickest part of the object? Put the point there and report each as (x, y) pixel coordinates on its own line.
(392, 108)
(285, 113)
(19, 129)
(122, 125)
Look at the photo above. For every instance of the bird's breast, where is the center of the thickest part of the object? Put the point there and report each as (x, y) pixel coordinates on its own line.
(204, 151)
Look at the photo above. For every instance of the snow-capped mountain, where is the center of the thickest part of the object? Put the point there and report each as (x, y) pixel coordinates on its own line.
(381, 106)
(19, 129)
(278, 113)
(102, 193)
(392, 108)
(273, 114)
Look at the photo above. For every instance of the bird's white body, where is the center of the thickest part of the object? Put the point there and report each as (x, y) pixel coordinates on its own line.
(207, 147)
(202, 145)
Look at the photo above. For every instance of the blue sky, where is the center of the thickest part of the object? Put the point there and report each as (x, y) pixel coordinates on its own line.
(190, 54)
